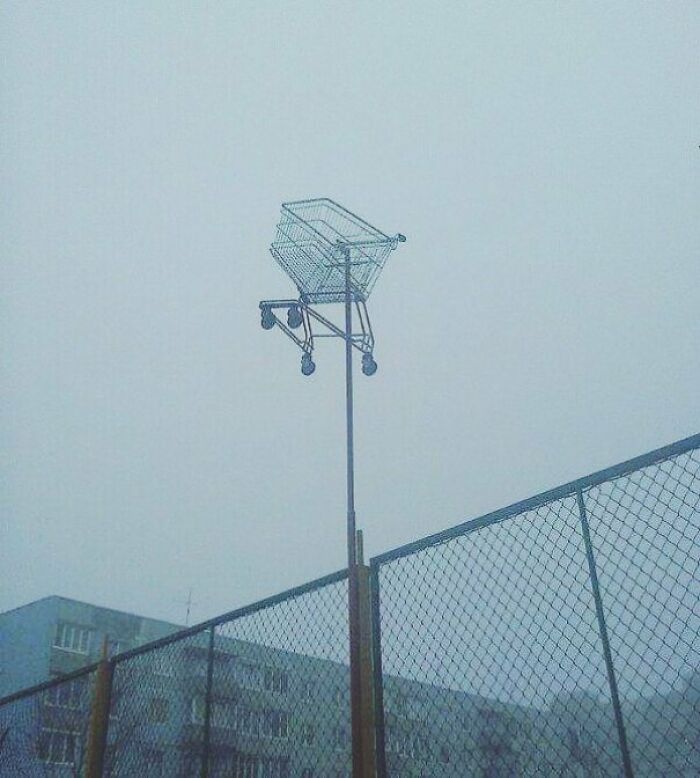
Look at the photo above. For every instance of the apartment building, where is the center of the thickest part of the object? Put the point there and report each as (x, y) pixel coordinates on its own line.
(55, 635)
(275, 713)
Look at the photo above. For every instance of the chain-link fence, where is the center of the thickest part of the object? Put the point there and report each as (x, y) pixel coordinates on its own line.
(557, 637)
(45, 733)
(258, 693)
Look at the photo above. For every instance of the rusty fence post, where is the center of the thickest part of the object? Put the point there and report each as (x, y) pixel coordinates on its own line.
(99, 717)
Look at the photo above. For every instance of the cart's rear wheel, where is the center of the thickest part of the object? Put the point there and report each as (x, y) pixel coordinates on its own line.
(307, 364)
(294, 317)
(267, 319)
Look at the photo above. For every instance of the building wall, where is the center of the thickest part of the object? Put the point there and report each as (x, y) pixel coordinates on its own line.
(25, 645)
(28, 636)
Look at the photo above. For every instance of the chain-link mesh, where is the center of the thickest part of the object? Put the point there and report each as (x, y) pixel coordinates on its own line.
(44, 733)
(495, 658)
(496, 632)
(151, 726)
(646, 535)
(262, 695)
(281, 706)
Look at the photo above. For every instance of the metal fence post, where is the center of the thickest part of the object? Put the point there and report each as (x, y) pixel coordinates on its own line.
(366, 675)
(602, 626)
(206, 735)
(99, 719)
(375, 618)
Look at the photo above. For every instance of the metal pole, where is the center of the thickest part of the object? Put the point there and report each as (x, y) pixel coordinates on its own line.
(602, 626)
(352, 551)
(379, 734)
(206, 735)
(353, 583)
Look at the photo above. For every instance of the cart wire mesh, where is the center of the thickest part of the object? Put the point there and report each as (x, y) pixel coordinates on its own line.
(310, 243)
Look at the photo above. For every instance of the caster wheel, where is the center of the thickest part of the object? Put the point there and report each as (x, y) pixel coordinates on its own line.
(307, 364)
(294, 317)
(369, 366)
(267, 319)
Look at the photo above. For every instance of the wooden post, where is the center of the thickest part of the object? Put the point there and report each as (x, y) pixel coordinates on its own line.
(99, 717)
(369, 761)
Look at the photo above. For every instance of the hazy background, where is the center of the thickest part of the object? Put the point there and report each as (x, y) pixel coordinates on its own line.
(540, 322)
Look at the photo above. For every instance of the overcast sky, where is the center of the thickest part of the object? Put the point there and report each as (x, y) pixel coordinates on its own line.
(540, 322)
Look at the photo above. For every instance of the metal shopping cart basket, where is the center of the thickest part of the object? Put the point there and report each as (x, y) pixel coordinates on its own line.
(332, 256)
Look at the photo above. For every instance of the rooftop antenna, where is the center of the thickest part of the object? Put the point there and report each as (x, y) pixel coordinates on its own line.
(188, 603)
(333, 257)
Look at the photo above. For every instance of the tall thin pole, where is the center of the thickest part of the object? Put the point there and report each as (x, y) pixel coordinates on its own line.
(353, 583)
(352, 545)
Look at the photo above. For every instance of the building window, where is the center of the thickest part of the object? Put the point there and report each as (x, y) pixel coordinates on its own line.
(247, 721)
(306, 734)
(339, 695)
(421, 748)
(445, 755)
(308, 690)
(197, 715)
(158, 710)
(394, 703)
(115, 647)
(340, 738)
(222, 714)
(247, 766)
(254, 766)
(399, 743)
(153, 762)
(68, 694)
(57, 747)
(307, 772)
(71, 637)
(249, 676)
(275, 724)
(276, 680)
(198, 661)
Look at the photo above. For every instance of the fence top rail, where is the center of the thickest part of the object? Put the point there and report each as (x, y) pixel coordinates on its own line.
(44, 685)
(182, 634)
(531, 503)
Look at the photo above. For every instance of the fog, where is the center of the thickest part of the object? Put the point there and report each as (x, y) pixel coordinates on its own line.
(540, 322)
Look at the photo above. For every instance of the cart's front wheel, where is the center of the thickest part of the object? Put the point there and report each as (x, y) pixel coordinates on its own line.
(369, 366)
(307, 364)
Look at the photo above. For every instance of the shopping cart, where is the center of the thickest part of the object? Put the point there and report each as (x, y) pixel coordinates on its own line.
(332, 256)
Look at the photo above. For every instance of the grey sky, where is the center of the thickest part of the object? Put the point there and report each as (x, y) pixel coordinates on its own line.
(540, 322)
